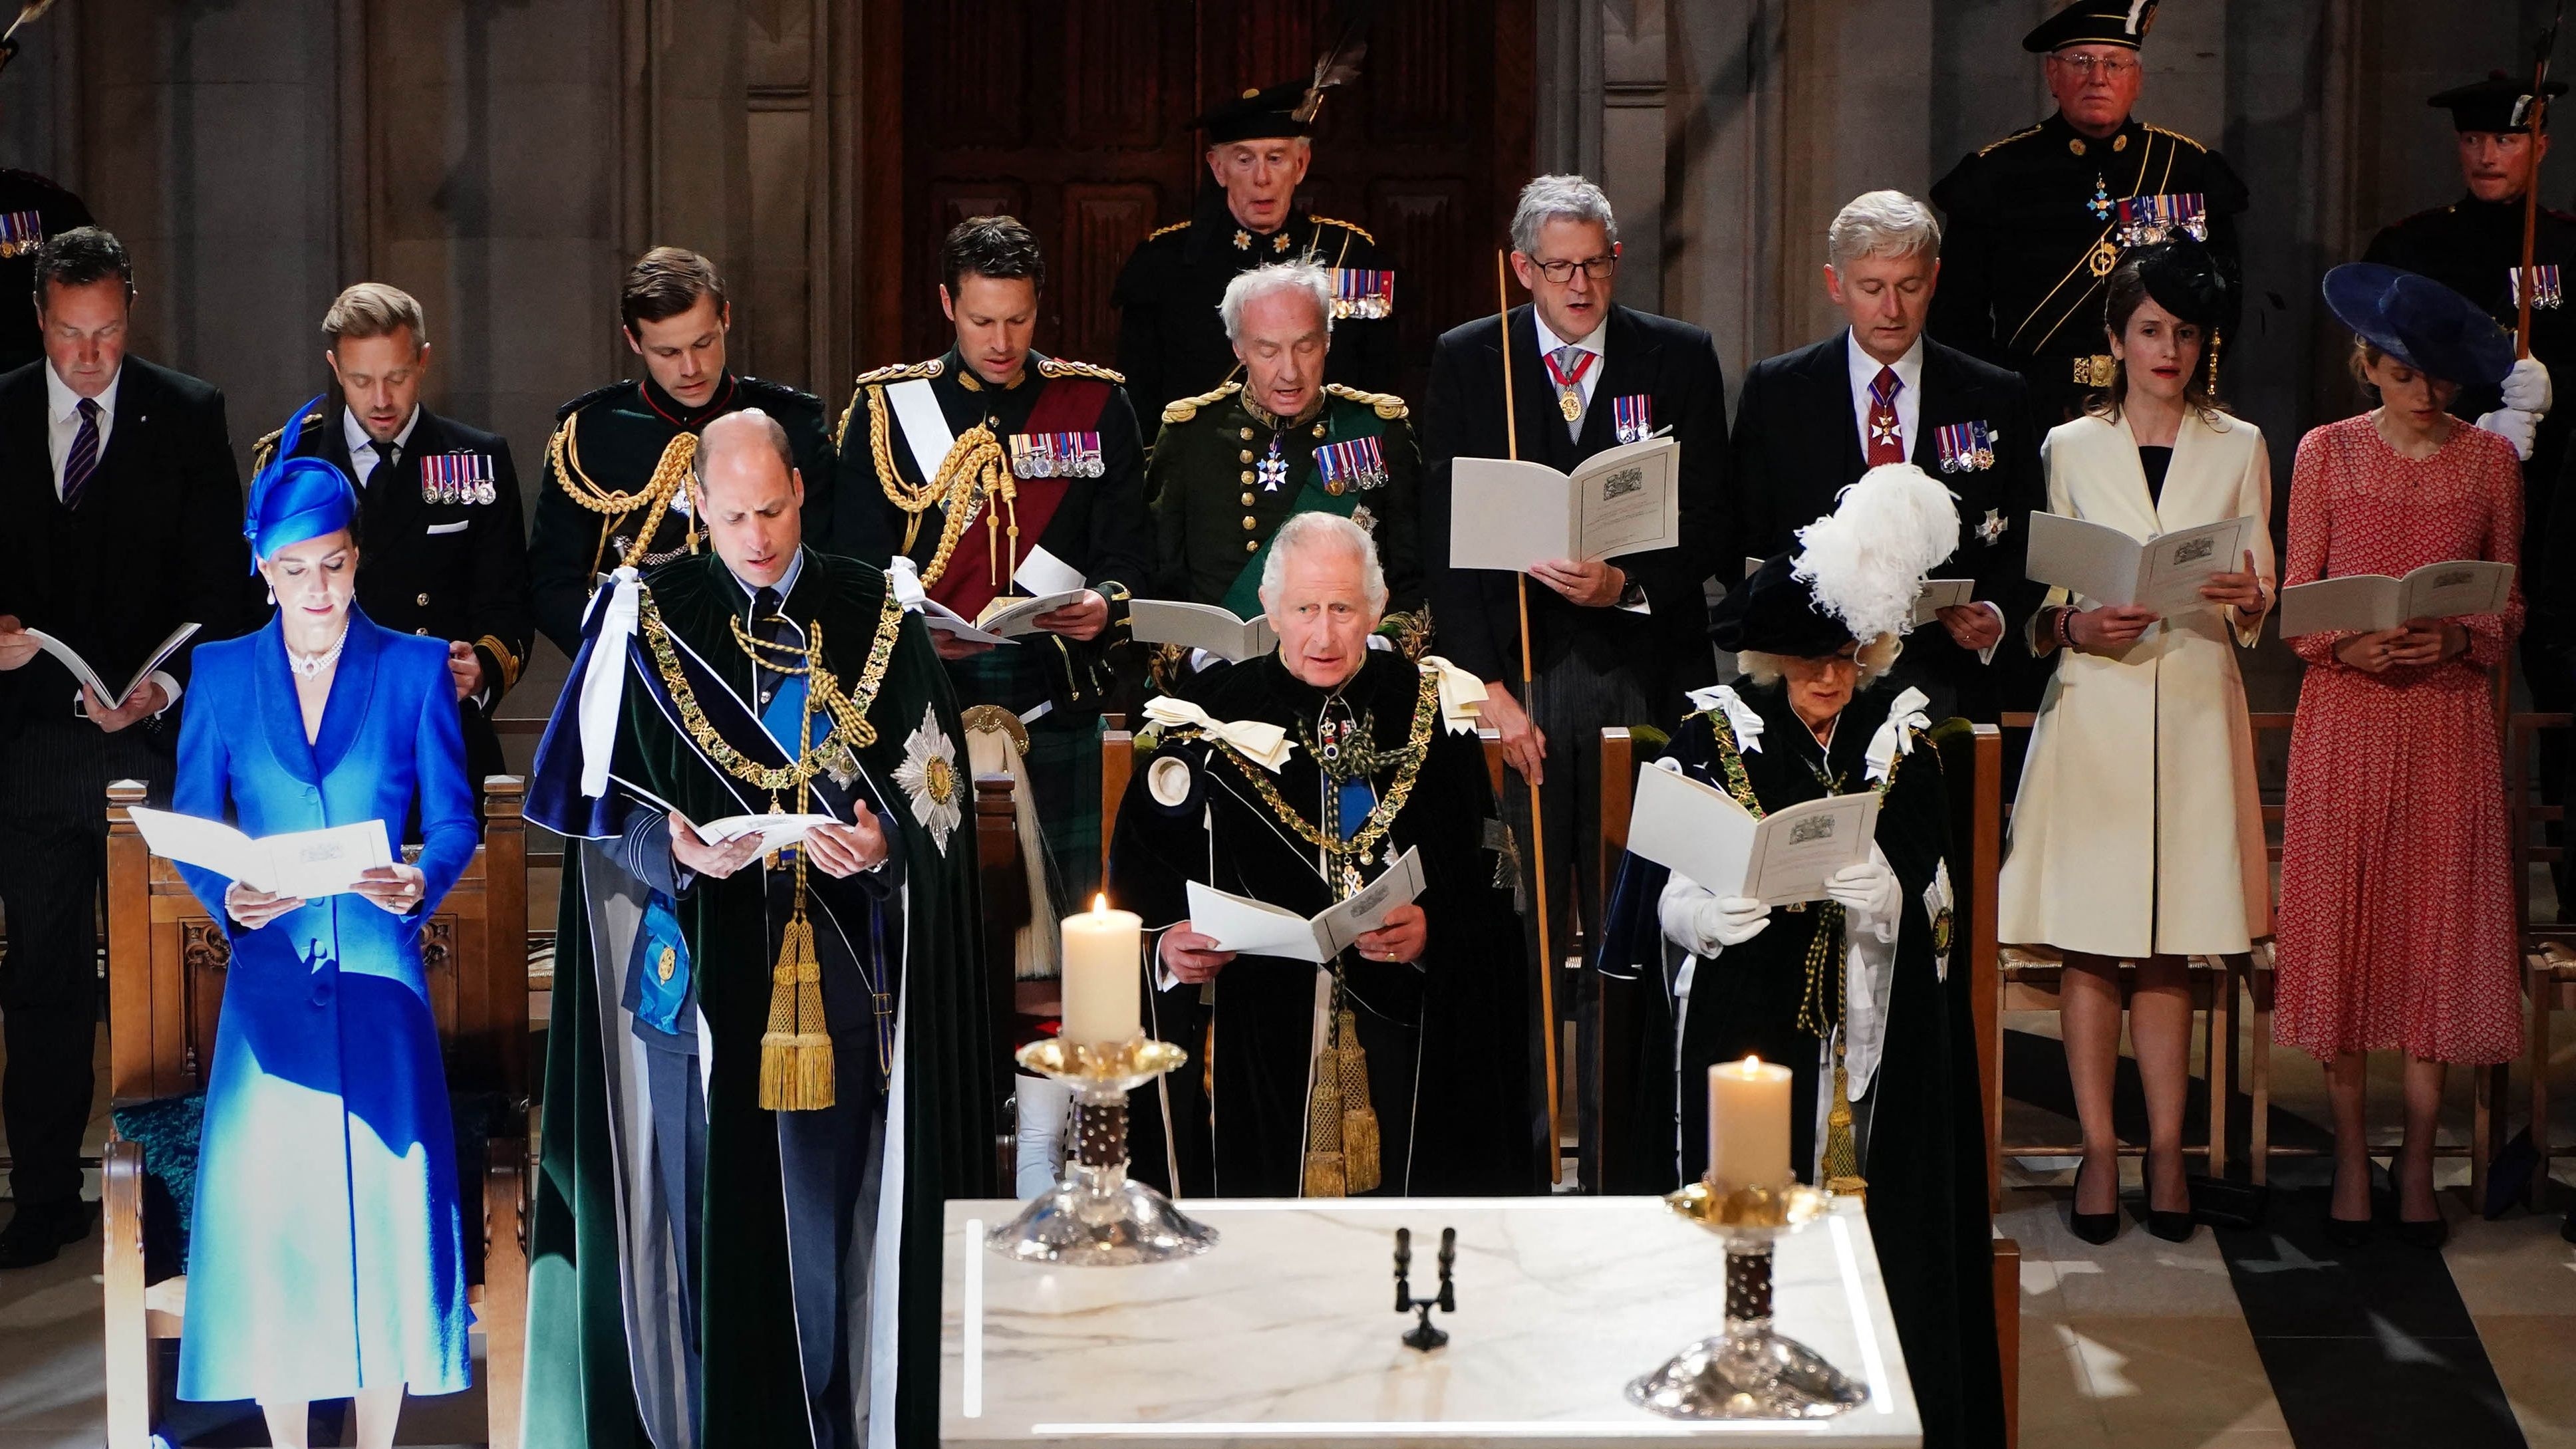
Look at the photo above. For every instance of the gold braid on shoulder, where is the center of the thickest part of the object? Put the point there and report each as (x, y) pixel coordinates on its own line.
(670, 475)
(973, 471)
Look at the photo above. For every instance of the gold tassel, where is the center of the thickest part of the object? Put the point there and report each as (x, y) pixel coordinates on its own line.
(1361, 1168)
(796, 1073)
(1325, 1176)
(1842, 1154)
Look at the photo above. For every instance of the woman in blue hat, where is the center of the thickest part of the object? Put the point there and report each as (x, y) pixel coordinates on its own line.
(325, 1256)
(2396, 929)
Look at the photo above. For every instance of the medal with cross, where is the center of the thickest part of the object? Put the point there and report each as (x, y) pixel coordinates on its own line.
(2100, 205)
(1882, 433)
(1273, 468)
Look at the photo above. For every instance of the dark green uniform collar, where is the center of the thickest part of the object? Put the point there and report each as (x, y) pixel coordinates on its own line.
(2061, 132)
(688, 419)
(953, 364)
(1264, 418)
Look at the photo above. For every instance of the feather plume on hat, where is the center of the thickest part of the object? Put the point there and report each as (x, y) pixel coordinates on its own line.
(1338, 66)
(1865, 561)
(33, 9)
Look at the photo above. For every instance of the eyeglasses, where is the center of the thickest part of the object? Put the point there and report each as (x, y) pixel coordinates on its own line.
(2110, 67)
(1598, 269)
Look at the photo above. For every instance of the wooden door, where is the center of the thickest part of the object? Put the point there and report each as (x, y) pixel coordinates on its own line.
(1074, 115)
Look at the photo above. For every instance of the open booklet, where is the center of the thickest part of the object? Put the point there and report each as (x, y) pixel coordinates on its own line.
(1929, 601)
(1200, 626)
(81, 670)
(308, 864)
(774, 830)
(2371, 603)
(1258, 928)
(2103, 566)
(1508, 513)
(1785, 856)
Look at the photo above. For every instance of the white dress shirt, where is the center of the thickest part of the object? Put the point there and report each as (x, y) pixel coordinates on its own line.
(363, 457)
(1549, 342)
(1909, 398)
(62, 419)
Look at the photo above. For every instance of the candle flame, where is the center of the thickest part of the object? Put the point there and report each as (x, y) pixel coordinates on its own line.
(1750, 1068)
(1100, 903)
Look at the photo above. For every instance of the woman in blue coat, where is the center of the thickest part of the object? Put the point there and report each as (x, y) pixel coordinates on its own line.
(325, 1258)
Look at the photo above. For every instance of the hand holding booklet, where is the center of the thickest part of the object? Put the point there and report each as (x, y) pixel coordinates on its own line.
(1011, 615)
(2374, 603)
(1788, 855)
(2105, 567)
(775, 831)
(1508, 514)
(1258, 928)
(306, 864)
(82, 671)
(1200, 626)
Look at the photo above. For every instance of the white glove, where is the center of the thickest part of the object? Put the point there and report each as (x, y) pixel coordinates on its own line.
(2514, 426)
(2526, 388)
(1723, 921)
(1867, 890)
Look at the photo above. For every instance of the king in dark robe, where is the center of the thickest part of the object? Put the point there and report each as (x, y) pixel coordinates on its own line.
(1299, 779)
(771, 1054)
(1859, 994)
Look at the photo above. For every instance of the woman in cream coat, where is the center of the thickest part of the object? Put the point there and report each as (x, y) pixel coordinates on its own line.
(2137, 834)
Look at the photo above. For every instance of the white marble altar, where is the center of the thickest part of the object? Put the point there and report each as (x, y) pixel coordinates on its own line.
(1285, 1333)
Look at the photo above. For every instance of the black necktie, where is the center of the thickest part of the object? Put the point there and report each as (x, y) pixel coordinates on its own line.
(387, 454)
(82, 462)
(768, 627)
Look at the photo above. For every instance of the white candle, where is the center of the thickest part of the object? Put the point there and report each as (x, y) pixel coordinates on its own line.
(1748, 1124)
(1102, 968)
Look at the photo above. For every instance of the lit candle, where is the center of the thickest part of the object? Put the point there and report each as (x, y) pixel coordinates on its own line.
(1101, 973)
(1748, 1124)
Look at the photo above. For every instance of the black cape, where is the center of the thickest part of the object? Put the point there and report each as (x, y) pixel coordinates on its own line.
(1924, 1150)
(1468, 1121)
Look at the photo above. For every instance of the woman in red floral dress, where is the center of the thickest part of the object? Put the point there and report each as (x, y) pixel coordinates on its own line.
(2396, 926)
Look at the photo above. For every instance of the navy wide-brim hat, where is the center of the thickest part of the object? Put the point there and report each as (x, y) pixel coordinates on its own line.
(1775, 612)
(2420, 322)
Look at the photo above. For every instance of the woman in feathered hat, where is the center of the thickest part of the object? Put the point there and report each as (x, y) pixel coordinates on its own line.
(2137, 834)
(1854, 993)
(325, 1258)
(2397, 920)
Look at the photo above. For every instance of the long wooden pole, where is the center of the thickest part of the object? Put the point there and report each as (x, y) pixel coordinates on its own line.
(2538, 121)
(1547, 964)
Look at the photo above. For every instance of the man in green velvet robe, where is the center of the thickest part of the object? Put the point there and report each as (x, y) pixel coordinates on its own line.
(766, 1072)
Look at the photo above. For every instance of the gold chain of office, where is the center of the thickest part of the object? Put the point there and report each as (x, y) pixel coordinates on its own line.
(1362, 845)
(848, 708)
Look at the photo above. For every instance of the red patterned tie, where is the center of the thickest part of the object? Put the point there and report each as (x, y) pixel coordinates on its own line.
(1886, 440)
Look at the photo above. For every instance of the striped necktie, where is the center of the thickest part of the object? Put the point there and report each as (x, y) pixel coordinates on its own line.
(82, 464)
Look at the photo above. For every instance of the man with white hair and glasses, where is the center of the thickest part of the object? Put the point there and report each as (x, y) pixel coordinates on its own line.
(1811, 422)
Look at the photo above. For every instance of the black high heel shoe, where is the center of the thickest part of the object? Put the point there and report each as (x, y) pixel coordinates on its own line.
(2094, 1228)
(2345, 1232)
(2173, 1227)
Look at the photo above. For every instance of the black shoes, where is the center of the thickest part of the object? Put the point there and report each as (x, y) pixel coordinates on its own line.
(40, 1231)
(2429, 1235)
(2094, 1228)
(2172, 1227)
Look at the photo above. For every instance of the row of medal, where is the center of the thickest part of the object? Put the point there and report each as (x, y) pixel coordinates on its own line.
(2147, 220)
(1352, 463)
(457, 478)
(21, 232)
(1055, 455)
(1965, 447)
(1362, 292)
(2545, 295)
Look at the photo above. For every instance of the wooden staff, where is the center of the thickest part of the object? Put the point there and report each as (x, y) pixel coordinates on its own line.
(1547, 964)
(2538, 120)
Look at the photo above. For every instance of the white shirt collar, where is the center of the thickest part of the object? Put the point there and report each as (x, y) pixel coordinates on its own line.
(786, 582)
(1864, 368)
(1548, 341)
(64, 404)
(360, 441)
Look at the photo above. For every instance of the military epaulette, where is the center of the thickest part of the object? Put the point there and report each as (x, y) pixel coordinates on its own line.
(1066, 367)
(2008, 140)
(586, 399)
(1388, 405)
(1352, 227)
(266, 447)
(1181, 410)
(2175, 136)
(780, 391)
(902, 371)
(1163, 231)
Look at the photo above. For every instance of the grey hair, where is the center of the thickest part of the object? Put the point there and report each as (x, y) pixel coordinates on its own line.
(1329, 530)
(1874, 660)
(1559, 198)
(1262, 281)
(712, 440)
(1882, 224)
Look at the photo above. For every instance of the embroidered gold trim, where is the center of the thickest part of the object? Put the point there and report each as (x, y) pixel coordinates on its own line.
(849, 709)
(973, 471)
(1363, 845)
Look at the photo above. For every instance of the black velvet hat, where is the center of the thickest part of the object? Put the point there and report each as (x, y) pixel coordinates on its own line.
(2420, 322)
(1288, 109)
(1775, 612)
(1855, 574)
(2184, 279)
(2498, 103)
(2094, 22)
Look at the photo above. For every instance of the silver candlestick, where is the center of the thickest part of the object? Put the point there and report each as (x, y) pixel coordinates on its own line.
(1095, 1216)
(1749, 1371)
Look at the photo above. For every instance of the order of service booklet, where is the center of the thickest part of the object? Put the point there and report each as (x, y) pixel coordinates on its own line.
(1258, 928)
(1200, 626)
(308, 864)
(2102, 565)
(1509, 513)
(1788, 855)
(82, 671)
(2372, 603)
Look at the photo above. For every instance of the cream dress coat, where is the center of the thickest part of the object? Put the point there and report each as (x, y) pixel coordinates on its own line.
(2137, 829)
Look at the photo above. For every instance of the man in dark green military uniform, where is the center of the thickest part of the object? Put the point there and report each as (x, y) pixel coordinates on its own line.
(1236, 462)
(439, 518)
(2038, 219)
(1170, 343)
(991, 448)
(616, 471)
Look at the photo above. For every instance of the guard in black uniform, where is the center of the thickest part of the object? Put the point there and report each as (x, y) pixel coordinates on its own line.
(438, 509)
(616, 469)
(990, 470)
(2038, 219)
(1170, 342)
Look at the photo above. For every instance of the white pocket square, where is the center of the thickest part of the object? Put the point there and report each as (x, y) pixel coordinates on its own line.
(459, 526)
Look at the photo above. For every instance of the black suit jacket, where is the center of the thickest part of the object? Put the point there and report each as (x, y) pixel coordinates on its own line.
(1797, 445)
(1475, 617)
(155, 543)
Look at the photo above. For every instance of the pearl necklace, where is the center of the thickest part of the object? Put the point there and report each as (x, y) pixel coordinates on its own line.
(308, 667)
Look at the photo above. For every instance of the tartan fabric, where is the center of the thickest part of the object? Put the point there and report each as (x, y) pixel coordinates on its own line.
(1063, 764)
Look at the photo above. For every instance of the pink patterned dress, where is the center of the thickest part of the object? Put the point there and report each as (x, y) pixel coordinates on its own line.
(2396, 926)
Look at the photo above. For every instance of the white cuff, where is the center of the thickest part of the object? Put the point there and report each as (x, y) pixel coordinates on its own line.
(170, 690)
(1987, 654)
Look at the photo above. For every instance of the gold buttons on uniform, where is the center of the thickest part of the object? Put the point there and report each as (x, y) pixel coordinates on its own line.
(1247, 435)
(1251, 547)
(420, 631)
(1319, 430)
(1251, 522)
(2075, 144)
(1247, 475)
(423, 601)
(1247, 500)
(2120, 143)
(1247, 455)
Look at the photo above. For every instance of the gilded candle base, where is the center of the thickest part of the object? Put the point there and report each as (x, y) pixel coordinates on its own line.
(1095, 1216)
(1748, 1371)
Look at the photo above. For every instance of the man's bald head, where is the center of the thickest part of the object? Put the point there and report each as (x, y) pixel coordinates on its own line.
(750, 496)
